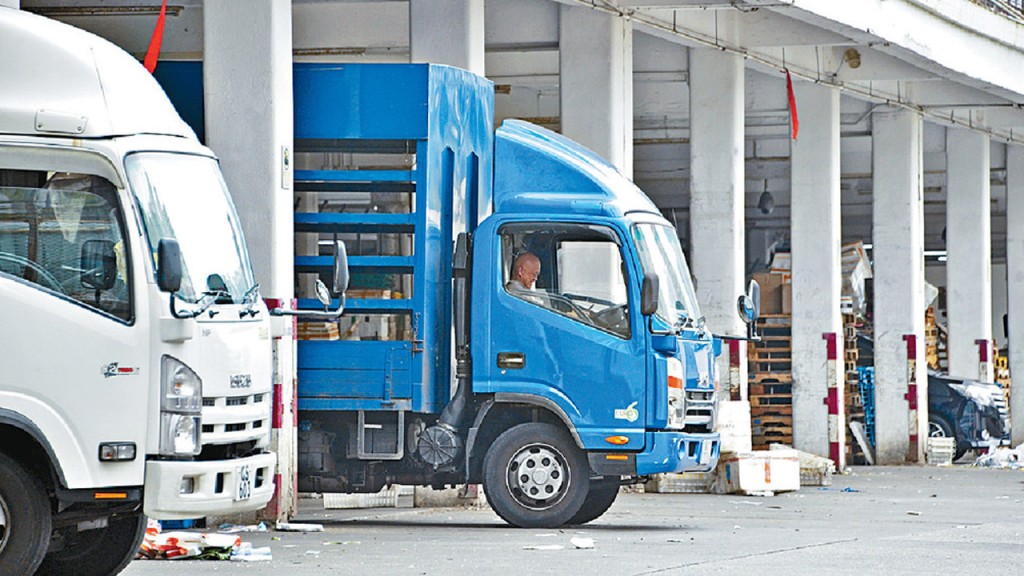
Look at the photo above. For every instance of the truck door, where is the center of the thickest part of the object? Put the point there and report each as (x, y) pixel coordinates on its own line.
(74, 348)
(562, 327)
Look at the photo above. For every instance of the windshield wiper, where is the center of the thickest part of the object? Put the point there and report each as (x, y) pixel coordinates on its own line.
(249, 301)
(204, 304)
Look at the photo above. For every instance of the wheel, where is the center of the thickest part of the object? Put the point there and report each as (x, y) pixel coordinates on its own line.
(535, 476)
(100, 552)
(939, 427)
(600, 497)
(24, 519)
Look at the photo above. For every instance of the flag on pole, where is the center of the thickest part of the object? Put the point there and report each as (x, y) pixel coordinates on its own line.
(794, 120)
(154, 43)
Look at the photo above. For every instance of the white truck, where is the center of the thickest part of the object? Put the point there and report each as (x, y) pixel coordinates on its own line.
(135, 349)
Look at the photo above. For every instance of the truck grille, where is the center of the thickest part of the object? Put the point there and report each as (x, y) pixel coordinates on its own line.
(700, 409)
(233, 419)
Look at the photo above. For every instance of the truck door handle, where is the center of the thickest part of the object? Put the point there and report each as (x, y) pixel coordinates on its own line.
(512, 360)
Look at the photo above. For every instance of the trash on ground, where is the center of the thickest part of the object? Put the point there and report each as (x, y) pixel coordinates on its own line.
(293, 527)
(1002, 457)
(236, 528)
(582, 543)
(246, 553)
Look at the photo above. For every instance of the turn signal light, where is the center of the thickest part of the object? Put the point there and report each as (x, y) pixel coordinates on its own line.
(617, 440)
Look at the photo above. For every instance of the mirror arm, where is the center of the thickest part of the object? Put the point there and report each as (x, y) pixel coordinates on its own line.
(310, 314)
(179, 315)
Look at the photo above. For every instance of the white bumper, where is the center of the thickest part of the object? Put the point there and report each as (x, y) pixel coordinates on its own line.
(214, 487)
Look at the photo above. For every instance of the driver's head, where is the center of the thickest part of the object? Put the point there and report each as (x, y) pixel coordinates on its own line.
(526, 268)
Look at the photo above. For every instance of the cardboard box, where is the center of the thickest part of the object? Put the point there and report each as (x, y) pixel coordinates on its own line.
(759, 472)
(786, 295)
(771, 292)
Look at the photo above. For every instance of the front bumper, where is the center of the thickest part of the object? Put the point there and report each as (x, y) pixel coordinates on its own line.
(214, 486)
(677, 452)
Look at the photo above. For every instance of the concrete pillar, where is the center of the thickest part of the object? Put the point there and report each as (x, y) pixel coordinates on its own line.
(969, 251)
(249, 125)
(1015, 284)
(816, 243)
(447, 32)
(898, 240)
(596, 83)
(717, 193)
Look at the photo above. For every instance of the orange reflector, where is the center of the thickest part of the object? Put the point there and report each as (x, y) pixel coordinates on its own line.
(674, 382)
(616, 457)
(111, 496)
(617, 440)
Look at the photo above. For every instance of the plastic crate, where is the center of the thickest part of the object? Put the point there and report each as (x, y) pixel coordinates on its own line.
(941, 451)
(685, 483)
(387, 498)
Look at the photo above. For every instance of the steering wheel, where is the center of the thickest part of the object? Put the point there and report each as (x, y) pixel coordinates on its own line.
(43, 275)
(589, 299)
(561, 303)
(613, 318)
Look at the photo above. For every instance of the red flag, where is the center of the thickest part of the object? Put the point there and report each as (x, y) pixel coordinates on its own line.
(794, 120)
(154, 42)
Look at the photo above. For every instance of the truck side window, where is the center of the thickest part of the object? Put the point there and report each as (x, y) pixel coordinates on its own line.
(54, 223)
(574, 270)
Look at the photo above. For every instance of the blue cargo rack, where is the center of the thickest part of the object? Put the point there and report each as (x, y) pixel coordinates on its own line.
(442, 119)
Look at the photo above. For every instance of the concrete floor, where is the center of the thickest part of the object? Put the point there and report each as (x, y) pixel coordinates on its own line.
(877, 520)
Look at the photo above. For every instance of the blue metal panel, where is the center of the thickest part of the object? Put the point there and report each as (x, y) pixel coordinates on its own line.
(183, 83)
(539, 171)
(442, 115)
(360, 101)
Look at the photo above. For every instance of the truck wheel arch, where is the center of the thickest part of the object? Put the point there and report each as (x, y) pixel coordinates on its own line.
(515, 406)
(21, 439)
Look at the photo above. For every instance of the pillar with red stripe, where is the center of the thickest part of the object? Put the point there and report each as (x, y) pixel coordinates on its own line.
(913, 451)
(284, 417)
(834, 402)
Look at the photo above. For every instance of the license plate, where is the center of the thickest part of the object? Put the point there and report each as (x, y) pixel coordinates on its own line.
(243, 482)
(705, 452)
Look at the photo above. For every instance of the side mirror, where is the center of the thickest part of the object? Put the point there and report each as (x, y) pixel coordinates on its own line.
(745, 308)
(649, 289)
(754, 293)
(98, 264)
(168, 269)
(340, 283)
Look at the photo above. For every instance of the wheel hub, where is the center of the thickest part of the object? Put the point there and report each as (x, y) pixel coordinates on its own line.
(4, 525)
(538, 476)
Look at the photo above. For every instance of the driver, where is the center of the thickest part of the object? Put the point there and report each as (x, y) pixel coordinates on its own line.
(525, 271)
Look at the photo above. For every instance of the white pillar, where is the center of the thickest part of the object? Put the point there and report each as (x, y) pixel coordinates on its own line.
(898, 240)
(447, 32)
(249, 125)
(816, 242)
(11, 3)
(717, 193)
(969, 251)
(596, 83)
(1015, 284)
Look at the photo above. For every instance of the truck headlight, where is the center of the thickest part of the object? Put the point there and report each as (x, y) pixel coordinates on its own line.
(179, 435)
(181, 403)
(181, 390)
(676, 394)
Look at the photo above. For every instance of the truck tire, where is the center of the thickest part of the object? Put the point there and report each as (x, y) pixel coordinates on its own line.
(601, 496)
(99, 552)
(939, 427)
(553, 491)
(24, 519)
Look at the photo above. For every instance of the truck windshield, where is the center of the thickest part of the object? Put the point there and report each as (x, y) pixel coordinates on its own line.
(184, 197)
(661, 254)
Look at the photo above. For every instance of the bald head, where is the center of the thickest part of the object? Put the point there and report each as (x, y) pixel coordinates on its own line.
(525, 269)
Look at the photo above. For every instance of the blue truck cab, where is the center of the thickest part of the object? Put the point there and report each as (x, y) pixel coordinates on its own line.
(446, 368)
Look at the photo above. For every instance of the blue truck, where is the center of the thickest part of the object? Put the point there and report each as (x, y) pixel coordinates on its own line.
(448, 370)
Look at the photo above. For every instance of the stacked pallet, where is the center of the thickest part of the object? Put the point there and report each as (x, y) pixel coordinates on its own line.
(1002, 374)
(771, 382)
(319, 331)
(931, 339)
(855, 409)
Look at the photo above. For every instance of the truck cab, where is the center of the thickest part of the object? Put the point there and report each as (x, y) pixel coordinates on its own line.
(137, 375)
(597, 372)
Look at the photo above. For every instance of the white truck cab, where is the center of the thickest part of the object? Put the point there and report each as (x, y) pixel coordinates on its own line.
(136, 349)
